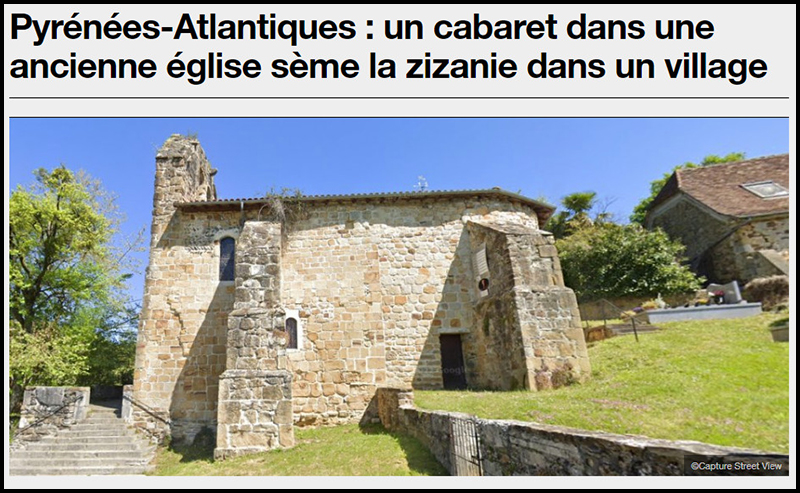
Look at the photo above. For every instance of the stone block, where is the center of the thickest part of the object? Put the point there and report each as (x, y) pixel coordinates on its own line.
(286, 436)
(283, 413)
(245, 440)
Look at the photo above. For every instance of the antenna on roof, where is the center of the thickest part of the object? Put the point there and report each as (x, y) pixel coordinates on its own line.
(422, 184)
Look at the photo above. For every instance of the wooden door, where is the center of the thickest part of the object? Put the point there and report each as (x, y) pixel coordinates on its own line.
(453, 375)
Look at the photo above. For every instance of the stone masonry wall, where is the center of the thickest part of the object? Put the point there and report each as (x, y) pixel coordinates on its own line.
(182, 339)
(515, 448)
(181, 343)
(737, 258)
(694, 227)
(46, 410)
(555, 348)
(495, 348)
(375, 285)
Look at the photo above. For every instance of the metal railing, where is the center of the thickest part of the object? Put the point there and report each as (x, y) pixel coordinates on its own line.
(607, 308)
(147, 409)
(465, 447)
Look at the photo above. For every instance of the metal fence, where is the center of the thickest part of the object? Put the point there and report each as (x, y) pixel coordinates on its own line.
(466, 447)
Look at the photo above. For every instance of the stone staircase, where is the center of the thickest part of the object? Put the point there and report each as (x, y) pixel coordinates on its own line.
(102, 444)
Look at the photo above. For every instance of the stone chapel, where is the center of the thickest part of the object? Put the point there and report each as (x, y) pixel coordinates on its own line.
(262, 314)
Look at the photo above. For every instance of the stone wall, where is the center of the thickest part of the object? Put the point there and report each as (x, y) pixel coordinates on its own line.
(692, 224)
(374, 289)
(45, 410)
(375, 286)
(724, 249)
(738, 256)
(397, 413)
(181, 344)
(514, 448)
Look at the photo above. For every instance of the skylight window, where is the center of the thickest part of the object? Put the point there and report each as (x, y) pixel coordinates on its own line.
(766, 189)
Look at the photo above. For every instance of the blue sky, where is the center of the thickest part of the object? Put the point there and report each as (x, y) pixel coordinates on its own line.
(547, 157)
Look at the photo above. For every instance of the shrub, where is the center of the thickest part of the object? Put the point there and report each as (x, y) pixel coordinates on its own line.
(611, 261)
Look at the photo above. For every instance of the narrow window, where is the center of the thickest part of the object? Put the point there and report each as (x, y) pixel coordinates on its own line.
(291, 331)
(227, 259)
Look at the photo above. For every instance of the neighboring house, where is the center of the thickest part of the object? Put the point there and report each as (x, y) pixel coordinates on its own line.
(255, 319)
(732, 217)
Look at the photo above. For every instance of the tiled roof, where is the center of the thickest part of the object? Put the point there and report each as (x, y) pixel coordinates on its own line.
(543, 210)
(719, 186)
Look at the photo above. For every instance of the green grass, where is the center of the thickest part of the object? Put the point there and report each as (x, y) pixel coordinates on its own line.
(337, 451)
(717, 381)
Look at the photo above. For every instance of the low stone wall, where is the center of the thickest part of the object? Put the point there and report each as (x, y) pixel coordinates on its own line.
(397, 413)
(68, 406)
(514, 448)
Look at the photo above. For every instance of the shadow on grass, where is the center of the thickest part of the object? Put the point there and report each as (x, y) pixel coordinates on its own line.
(201, 448)
(419, 458)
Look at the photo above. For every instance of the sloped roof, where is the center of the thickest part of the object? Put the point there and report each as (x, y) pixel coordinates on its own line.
(719, 186)
(543, 210)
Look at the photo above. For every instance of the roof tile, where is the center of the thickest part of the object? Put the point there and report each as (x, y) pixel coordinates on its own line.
(719, 186)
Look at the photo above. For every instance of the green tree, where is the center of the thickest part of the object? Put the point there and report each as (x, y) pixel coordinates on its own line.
(611, 260)
(640, 210)
(66, 278)
(576, 215)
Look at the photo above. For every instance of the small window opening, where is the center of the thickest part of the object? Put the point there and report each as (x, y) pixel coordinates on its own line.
(291, 331)
(227, 259)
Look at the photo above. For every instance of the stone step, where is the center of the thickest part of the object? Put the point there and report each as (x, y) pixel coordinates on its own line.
(87, 425)
(120, 429)
(86, 431)
(73, 463)
(102, 414)
(89, 440)
(101, 444)
(79, 471)
(82, 447)
(102, 421)
(83, 454)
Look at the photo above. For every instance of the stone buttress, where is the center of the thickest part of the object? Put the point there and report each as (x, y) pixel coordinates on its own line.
(255, 391)
(528, 332)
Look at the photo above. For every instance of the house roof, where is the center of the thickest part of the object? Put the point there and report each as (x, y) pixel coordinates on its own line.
(543, 210)
(719, 186)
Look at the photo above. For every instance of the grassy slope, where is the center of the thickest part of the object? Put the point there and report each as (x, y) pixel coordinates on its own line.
(718, 381)
(337, 451)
